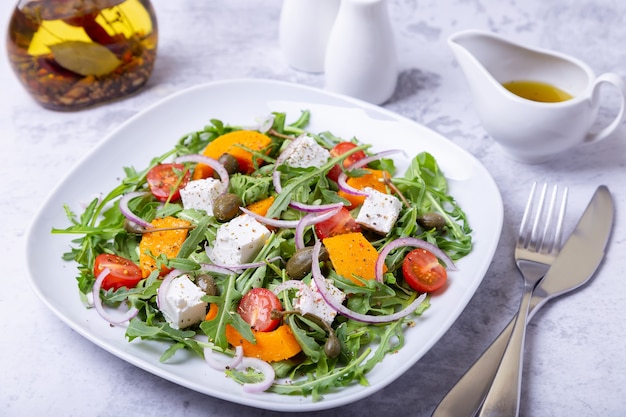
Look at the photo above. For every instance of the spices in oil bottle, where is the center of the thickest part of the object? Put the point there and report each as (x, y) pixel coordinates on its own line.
(71, 54)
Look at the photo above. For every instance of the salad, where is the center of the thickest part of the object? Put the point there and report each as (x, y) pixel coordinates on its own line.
(293, 261)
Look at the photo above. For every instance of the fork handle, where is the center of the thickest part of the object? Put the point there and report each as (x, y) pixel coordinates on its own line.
(466, 396)
(503, 398)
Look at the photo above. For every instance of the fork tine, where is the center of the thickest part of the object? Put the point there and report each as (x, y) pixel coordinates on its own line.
(534, 242)
(558, 234)
(559, 226)
(550, 241)
(523, 236)
(546, 243)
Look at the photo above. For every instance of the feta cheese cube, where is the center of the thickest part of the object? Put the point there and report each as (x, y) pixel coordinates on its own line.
(379, 211)
(200, 194)
(305, 152)
(312, 301)
(238, 241)
(182, 304)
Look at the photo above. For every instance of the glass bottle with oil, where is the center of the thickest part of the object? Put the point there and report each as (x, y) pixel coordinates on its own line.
(72, 54)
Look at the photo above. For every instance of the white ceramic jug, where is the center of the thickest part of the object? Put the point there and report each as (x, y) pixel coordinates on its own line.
(361, 58)
(527, 130)
(303, 32)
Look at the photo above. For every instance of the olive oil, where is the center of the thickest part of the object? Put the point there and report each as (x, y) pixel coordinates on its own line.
(537, 91)
(72, 54)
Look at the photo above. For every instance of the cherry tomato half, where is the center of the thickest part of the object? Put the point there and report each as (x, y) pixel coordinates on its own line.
(423, 272)
(340, 149)
(166, 180)
(340, 223)
(255, 308)
(124, 272)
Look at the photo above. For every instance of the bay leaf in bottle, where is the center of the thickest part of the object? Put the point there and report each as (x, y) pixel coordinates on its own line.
(85, 58)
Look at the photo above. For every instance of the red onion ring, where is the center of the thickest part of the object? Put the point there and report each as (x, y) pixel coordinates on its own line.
(235, 268)
(211, 358)
(276, 180)
(343, 186)
(319, 208)
(165, 283)
(320, 281)
(97, 302)
(261, 366)
(202, 159)
(343, 177)
(311, 219)
(126, 212)
(217, 269)
(266, 124)
(364, 161)
(279, 161)
(414, 242)
(281, 224)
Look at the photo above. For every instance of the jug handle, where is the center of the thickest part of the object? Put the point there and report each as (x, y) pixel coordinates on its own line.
(617, 82)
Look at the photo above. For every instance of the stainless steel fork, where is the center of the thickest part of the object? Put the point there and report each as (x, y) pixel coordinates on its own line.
(538, 244)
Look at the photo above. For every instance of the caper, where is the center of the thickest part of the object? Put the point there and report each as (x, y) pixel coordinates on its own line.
(431, 221)
(207, 284)
(332, 347)
(226, 207)
(229, 162)
(132, 227)
(299, 265)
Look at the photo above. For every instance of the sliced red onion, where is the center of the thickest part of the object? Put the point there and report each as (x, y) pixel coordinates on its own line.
(211, 358)
(279, 161)
(238, 267)
(126, 212)
(261, 366)
(343, 177)
(217, 269)
(97, 302)
(311, 219)
(266, 124)
(281, 224)
(414, 242)
(320, 282)
(165, 283)
(346, 188)
(213, 163)
(276, 179)
(364, 161)
(317, 208)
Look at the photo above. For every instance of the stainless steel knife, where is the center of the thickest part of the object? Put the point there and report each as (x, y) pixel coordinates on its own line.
(577, 262)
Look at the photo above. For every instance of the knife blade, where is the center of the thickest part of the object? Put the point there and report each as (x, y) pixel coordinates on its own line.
(577, 262)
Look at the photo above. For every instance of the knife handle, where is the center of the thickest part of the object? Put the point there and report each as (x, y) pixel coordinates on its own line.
(503, 398)
(467, 395)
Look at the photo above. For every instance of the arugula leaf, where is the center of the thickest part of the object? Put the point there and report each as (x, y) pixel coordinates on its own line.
(425, 185)
(164, 331)
(296, 185)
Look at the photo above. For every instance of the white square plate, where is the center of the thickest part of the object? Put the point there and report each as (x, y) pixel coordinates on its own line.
(241, 102)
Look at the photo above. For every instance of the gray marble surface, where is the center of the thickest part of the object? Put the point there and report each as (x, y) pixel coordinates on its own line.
(575, 357)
